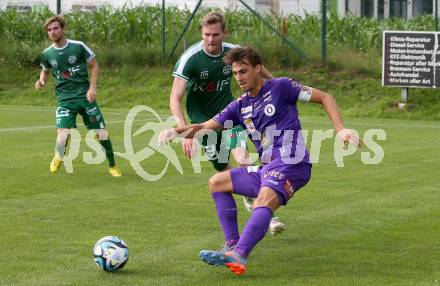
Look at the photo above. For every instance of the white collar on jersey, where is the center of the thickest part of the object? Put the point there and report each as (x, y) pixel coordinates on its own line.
(67, 42)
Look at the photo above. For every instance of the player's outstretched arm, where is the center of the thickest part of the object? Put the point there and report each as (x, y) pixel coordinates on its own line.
(329, 103)
(39, 84)
(189, 131)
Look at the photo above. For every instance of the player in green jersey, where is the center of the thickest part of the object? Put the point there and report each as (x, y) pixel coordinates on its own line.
(69, 62)
(202, 75)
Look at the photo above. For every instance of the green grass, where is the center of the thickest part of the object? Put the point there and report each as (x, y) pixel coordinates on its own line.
(357, 225)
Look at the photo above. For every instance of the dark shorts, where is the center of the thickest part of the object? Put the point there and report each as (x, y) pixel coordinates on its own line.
(217, 148)
(284, 179)
(67, 111)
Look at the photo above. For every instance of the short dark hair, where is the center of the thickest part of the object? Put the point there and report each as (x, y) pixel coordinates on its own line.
(57, 18)
(214, 17)
(247, 55)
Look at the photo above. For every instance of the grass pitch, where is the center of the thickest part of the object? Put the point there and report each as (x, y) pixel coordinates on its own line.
(357, 225)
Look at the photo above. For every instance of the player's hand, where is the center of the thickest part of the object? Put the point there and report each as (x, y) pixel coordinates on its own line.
(166, 136)
(39, 84)
(188, 147)
(91, 95)
(348, 136)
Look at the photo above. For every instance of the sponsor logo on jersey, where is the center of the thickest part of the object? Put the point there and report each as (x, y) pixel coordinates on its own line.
(72, 60)
(246, 109)
(68, 73)
(54, 63)
(250, 125)
(288, 187)
(65, 74)
(212, 86)
(269, 110)
(227, 70)
(203, 74)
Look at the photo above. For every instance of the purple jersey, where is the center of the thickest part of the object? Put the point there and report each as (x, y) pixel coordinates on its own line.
(271, 120)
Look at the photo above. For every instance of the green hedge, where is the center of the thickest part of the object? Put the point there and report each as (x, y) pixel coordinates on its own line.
(133, 36)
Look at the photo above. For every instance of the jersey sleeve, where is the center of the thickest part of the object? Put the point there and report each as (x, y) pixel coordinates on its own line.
(87, 53)
(183, 68)
(297, 91)
(230, 113)
(44, 63)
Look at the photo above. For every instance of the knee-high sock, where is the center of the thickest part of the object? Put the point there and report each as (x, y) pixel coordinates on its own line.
(227, 216)
(254, 230)
(107, 144)
(60, 147)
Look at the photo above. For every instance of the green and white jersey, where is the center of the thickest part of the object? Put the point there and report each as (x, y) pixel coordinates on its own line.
(208, 87)
(69, 68)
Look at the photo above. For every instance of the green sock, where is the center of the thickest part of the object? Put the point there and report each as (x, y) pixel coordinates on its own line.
(107, 144)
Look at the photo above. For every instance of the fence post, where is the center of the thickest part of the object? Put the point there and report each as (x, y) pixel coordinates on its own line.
(324, 31)
(163, 32)
(184, 29)
(436, 14)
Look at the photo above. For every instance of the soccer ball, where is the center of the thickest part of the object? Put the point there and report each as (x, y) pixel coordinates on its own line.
(111, 253)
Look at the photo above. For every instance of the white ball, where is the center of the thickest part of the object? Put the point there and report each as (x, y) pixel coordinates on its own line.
(111, 253)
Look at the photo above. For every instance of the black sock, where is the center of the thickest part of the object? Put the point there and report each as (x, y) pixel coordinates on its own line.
(107, 144)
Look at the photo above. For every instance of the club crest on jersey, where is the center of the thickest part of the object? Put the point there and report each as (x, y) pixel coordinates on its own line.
(204, 75)
(54, 63)
(269, 110)
(227, 69)
(71, 60)
(250, 125)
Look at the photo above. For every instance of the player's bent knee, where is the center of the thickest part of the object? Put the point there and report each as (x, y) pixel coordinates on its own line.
(214, 183)
(220, 182)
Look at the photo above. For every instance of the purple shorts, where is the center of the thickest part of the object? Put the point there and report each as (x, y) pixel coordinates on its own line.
(284, 179)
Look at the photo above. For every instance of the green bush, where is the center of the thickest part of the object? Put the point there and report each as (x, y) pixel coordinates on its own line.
(133, 36)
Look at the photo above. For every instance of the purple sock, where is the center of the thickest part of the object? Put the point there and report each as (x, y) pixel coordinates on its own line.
(227, 216)
(254, 230)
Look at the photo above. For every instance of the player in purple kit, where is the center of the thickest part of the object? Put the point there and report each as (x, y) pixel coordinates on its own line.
(269, 113)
